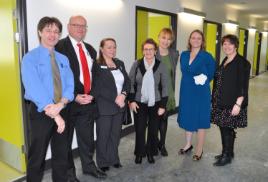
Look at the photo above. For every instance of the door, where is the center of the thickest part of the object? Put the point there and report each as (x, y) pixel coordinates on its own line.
(243, 42)
(257, 51)
(11, 125)
(212, 33)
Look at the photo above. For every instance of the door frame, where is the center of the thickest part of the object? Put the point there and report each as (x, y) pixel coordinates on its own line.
(23, 49)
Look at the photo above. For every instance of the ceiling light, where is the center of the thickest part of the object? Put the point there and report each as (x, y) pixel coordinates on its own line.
(232, 22)
(252, 28)
(193, 12)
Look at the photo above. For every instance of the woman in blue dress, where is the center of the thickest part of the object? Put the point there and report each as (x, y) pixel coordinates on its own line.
(197, 67)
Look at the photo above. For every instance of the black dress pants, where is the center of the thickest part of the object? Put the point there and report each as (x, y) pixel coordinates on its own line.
(163, 124)
(83, 123)
(108, 139)
(43, 130)
(146, 116)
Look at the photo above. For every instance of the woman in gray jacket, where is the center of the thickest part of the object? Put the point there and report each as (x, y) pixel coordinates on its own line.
(148, 98)
(169, 57)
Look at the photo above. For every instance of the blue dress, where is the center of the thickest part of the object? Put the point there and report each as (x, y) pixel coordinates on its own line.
(195, 100)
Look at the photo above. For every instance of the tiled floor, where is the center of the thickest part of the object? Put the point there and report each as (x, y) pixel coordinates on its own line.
(251, 152)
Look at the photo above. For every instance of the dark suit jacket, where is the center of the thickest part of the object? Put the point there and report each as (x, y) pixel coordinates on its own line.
(65, 47)
(104, 89)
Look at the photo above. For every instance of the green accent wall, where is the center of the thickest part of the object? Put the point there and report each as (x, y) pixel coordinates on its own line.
(11, 122)
(156, 23)
(149, 26)
(210, 31)
(142, 30)
(266, 59)
(241, 42)
(256, 47)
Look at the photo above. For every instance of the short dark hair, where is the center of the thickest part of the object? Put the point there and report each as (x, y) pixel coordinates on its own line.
(233, 39)
(46, 21)
(149, 41)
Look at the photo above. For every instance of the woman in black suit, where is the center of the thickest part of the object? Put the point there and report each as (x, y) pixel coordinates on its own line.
(110, 88)
(230, 97)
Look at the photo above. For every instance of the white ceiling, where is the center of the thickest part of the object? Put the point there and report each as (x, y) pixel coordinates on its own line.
(257, 9)
(252, 8)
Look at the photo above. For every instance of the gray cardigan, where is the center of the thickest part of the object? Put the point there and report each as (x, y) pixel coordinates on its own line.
(160, 79)
(174, 56)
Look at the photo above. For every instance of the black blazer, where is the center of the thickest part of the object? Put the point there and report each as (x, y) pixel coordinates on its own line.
(235, 80)
(65, 47)
(104, 89)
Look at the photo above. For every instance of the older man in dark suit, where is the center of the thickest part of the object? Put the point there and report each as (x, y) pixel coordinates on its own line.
(83, 110)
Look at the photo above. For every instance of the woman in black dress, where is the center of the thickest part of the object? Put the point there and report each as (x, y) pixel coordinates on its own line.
(230, 97)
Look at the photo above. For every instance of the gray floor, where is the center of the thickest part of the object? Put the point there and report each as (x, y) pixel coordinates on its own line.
(251, 152)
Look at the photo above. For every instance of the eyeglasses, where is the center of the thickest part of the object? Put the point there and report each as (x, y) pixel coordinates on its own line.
(152, 49)
(79, 26)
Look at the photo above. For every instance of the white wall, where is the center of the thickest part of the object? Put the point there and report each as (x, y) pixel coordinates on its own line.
(117, 20)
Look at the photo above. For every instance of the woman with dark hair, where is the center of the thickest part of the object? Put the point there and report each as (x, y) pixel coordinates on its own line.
(148, 97)
(110, 88)
(230, 97)
(197, 67)
(169, 57)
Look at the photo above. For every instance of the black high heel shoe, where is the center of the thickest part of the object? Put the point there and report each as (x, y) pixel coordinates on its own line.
(182, 151)
(196, 157)
(138, 159)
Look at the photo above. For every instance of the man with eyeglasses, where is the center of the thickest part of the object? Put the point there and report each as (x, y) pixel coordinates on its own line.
(48, 82)
(83, 110)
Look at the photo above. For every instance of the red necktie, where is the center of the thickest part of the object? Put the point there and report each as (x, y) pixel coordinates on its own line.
(85, 69)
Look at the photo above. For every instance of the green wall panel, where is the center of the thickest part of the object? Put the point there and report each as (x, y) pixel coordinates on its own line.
(210, 31)
(256, 47)
(241, 42)
(156, 23)
(11, 125)
(142, 30)
(149, 26)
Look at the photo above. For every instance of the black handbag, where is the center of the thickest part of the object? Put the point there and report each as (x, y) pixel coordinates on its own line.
(127, 119)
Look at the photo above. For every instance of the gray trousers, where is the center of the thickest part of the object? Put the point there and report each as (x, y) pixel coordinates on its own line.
(108, 139)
